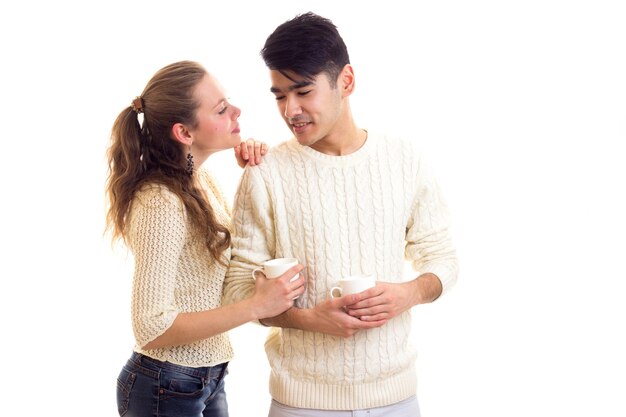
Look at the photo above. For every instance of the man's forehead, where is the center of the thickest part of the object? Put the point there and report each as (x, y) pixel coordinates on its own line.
(282, 80)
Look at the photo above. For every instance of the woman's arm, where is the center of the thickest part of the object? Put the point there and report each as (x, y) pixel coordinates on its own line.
(271, 297)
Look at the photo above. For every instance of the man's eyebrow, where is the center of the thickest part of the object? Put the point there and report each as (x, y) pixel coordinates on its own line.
(295, 86)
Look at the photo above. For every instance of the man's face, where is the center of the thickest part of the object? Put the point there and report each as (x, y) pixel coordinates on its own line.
(311, 108)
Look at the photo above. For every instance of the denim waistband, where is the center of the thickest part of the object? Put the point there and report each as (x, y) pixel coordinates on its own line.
(152, 364)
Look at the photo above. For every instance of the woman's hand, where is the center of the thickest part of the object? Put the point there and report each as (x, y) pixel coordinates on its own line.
(273, 296)
(250, 152)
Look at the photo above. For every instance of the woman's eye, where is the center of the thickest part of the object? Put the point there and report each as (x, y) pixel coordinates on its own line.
(223, 110)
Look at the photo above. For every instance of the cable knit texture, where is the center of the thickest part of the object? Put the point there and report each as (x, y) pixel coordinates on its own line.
(174, 272)
(341, 215)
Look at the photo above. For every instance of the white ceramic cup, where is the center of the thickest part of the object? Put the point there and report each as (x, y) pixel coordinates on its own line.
(276, 267)
(352, 285)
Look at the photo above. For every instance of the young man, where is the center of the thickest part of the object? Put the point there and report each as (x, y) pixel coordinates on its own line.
(344, 201)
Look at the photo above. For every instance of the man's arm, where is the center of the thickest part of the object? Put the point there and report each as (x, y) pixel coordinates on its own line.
(252, 235)
(387, 300)
(429, 244)
(429, 248)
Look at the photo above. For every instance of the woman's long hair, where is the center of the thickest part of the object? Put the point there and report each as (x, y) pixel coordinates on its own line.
(143, 153)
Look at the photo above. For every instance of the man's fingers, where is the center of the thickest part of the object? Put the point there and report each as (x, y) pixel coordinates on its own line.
(347, 300)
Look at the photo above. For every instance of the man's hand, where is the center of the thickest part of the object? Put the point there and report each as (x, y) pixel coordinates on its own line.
(387, 300)
(331, 317)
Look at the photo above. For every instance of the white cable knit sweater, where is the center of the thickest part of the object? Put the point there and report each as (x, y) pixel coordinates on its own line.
(341, 215)
(174, 272)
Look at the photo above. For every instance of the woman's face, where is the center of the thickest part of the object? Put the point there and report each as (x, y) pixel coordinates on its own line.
(217, 126)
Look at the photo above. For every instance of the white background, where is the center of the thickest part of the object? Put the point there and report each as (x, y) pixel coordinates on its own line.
(519, 104)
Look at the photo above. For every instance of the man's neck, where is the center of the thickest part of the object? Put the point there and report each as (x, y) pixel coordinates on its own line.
(342, 143)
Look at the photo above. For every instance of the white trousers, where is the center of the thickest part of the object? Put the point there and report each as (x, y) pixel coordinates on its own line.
(406, 408)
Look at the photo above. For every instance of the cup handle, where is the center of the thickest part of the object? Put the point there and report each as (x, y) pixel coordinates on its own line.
(255, 271)
(332, 292)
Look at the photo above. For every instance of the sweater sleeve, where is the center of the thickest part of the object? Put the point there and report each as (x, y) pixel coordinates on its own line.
(157, 237)
(252, 234)
(429, 246)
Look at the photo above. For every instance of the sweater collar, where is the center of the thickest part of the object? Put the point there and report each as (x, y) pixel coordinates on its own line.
(343, 160)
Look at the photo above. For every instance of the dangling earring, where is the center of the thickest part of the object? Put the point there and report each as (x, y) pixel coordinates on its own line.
(189, 163)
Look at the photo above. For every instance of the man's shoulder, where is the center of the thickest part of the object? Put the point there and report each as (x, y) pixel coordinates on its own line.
(277, 158)
(390, 141)
(280, 152)
(282, 147)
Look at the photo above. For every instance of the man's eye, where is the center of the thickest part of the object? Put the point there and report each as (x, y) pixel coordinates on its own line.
(303, 93)
(278, 98)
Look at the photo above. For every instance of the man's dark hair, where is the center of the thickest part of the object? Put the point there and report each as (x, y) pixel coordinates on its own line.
(307, 45)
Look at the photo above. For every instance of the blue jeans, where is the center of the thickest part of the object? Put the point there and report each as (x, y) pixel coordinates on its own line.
(147, 387)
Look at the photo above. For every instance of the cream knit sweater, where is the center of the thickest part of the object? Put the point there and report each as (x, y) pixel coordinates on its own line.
(174, 272)
(341, 215)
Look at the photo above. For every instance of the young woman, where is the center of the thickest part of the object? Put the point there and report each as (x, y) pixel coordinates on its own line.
(174, 219)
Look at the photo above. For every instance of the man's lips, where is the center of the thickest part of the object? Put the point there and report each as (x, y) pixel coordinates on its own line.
(298, 127)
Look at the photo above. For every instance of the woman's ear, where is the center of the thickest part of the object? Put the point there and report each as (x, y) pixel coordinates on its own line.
(182, 134)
